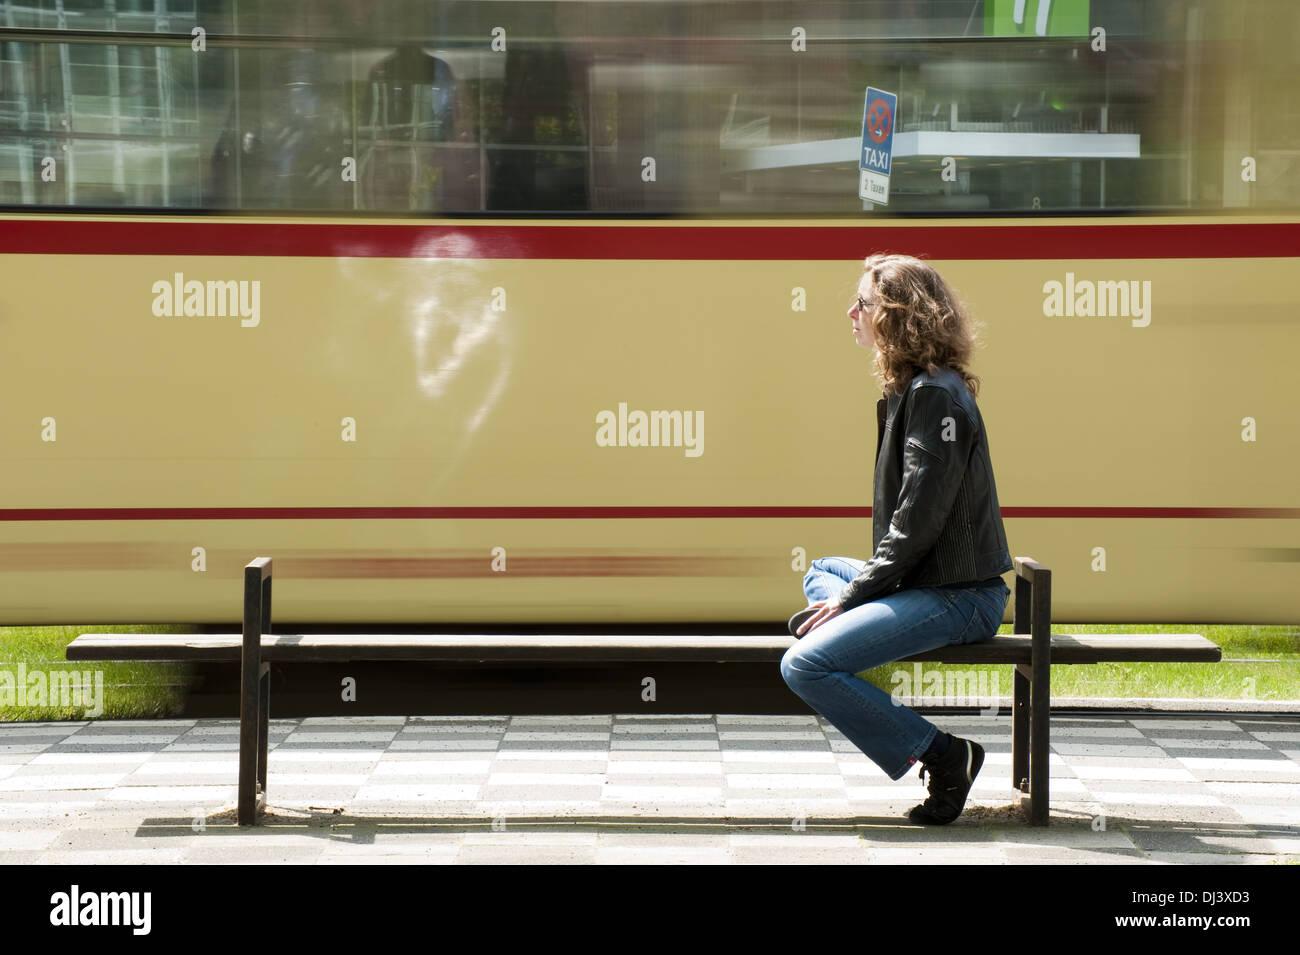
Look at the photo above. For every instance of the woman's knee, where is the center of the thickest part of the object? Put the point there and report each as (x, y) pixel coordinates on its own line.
(817, 567)
(828, 565)
(838, 568)
(795, 666)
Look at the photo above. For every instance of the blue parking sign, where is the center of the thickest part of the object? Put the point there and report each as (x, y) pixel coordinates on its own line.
(877, 145)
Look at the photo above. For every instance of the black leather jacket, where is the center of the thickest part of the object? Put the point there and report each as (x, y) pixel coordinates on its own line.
(935, 515)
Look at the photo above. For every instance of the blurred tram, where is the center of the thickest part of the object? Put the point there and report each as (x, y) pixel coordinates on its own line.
(517, 313)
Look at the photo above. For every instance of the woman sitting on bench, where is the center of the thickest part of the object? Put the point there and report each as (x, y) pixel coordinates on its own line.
(940, 547)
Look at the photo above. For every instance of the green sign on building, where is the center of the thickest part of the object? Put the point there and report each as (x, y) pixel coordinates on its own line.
(1036, 18)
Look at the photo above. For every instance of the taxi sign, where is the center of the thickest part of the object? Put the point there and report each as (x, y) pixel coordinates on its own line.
(877, 145)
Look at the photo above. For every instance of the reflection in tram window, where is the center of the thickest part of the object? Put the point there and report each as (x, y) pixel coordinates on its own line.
(634, 107)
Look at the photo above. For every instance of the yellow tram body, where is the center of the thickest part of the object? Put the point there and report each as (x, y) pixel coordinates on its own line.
(1148, 459)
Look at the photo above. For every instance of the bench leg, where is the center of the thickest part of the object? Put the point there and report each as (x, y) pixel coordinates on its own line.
(263, 721)
(1031, 709)
(254, 692)
(1020, 729)
(1039, 746)
(253, 720)
(252, 755)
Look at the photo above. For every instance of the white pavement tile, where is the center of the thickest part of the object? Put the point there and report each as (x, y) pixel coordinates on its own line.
(1001, 785)
(808, 839)
(416, 792)
(1176, 724)
(314, 779)
(784, 781)
(809, 756)
(1203, 858)
(546, 779)
(665, 768)
(1158, 799)
(1158, 758)
(557, 755)
(432, 767)
(859, 773)
(531, 836)
(1281, 767)
(194, 795)
(115, 857)
(1276, 790)
(667, 855)
(1235, 744)
(53, 782)
(42, 810)
(1153, 773)
(26, 839)
(885, 792)
(1062, 835)
(704, 795)
(1109, 751)
(428, 855)
(534, 808)
(1268, 815)
(177, 767)
(788, 806)
(91, 759)
(938, 855)
(324, 756)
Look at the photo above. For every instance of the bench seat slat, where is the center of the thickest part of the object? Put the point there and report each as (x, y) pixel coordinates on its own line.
(559, 648)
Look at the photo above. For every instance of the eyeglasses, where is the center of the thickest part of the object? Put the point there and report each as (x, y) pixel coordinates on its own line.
(864, 306)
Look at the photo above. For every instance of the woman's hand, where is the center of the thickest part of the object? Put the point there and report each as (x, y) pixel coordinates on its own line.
(828, 609)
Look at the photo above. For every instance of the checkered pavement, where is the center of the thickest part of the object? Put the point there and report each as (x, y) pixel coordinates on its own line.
(717, 788)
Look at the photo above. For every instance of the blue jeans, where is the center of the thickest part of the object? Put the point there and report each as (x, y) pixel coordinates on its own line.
(822, 666)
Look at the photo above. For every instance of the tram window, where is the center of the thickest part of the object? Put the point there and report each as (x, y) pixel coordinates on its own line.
(638, 107)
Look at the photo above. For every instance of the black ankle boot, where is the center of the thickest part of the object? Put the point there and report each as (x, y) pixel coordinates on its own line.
(951, 777)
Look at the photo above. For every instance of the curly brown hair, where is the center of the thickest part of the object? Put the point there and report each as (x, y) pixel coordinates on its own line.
(918, 322)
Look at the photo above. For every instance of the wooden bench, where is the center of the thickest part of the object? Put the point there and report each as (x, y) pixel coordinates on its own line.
(1029, 648)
